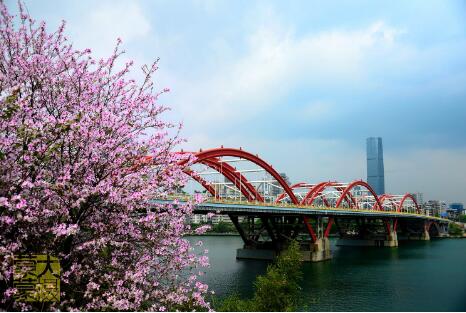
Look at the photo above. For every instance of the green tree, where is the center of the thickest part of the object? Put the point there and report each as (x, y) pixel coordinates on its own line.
(277, 290)
(455, 230)
(462, 218)
(223, 227)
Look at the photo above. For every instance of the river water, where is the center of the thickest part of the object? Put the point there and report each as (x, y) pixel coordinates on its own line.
(416, 276)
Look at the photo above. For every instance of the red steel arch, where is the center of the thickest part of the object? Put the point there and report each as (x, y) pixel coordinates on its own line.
(220, 152)
(211, 159)
(397, 203)
(293, 187)
(201, 181)
(236, 178)
(409, 196)
(228, 172)
(318, 190)
(311, 192)
(362, 184)
(382, 200)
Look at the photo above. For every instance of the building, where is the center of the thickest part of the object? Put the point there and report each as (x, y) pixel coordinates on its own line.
(375, 169)
(206, 219)
(419, 196)
(457, 207)
(452, 214)
(455, 210)
(198, 219)
(435, 208)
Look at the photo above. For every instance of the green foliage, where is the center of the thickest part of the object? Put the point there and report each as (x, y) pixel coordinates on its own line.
(9, 106)
(219, 228)
(234, 303)
(462, 218)
(277, 290)
(455, 230)
(223, 227)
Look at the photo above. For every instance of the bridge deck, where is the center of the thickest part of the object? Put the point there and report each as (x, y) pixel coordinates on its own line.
(288, 209)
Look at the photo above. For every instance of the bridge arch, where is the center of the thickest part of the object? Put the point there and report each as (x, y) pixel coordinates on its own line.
(360, 183)
(208, 155)
(240, 182)
(201, 181)
(410, 197)
(397, 203)
(314, 192)
(283, 195)
(318, 192)
(388, 201)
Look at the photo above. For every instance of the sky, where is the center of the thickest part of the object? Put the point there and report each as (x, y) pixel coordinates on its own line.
(301, 83)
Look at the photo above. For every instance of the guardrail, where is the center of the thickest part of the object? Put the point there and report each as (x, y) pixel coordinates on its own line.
(214, 201)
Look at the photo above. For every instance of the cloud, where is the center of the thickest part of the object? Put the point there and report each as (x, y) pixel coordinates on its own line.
(276, 63)
(302, 85)
(100, 27)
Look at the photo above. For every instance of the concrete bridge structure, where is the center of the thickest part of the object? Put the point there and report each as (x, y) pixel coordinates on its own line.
(266, 229)
(308, 212)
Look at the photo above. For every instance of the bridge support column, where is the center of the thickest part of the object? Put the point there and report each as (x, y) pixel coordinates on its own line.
(392, 237)
(265, 237)
(319, 248)
(368, 233)
(425, 236)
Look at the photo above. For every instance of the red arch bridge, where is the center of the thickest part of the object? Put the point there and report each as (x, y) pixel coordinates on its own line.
(268, 211)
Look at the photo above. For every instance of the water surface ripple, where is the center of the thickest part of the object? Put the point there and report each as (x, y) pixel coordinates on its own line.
(416, 276)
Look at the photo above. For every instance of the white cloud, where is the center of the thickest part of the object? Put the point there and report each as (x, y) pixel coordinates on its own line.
(107, 21)
(276, 63)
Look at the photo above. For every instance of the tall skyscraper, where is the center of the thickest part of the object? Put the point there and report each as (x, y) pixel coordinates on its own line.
(375, 171)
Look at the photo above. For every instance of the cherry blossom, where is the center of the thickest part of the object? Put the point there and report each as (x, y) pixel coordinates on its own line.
(75, 181)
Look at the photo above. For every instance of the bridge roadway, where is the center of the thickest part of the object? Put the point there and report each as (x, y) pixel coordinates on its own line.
(267, 228)
(284, 209)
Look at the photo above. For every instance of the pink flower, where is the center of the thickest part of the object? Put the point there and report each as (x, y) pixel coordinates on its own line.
(65, 230)
(21, 204)
(98, 152)
(198, 198)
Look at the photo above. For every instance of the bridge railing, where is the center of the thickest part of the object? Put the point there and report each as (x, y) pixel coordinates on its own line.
(212, 200)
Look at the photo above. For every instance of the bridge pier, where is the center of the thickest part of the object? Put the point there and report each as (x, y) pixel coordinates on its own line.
(318, 251)
(364, 232)
(319, 248)
(392, 236)
(264, 237)
(425, 236)
(423, 230)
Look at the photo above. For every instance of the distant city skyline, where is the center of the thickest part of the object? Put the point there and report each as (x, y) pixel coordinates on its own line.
(301, 83)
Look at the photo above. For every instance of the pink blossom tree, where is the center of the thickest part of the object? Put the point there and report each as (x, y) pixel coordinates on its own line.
(74, 182)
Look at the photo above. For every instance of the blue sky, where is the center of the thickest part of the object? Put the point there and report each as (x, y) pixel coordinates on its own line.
(302, 83)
